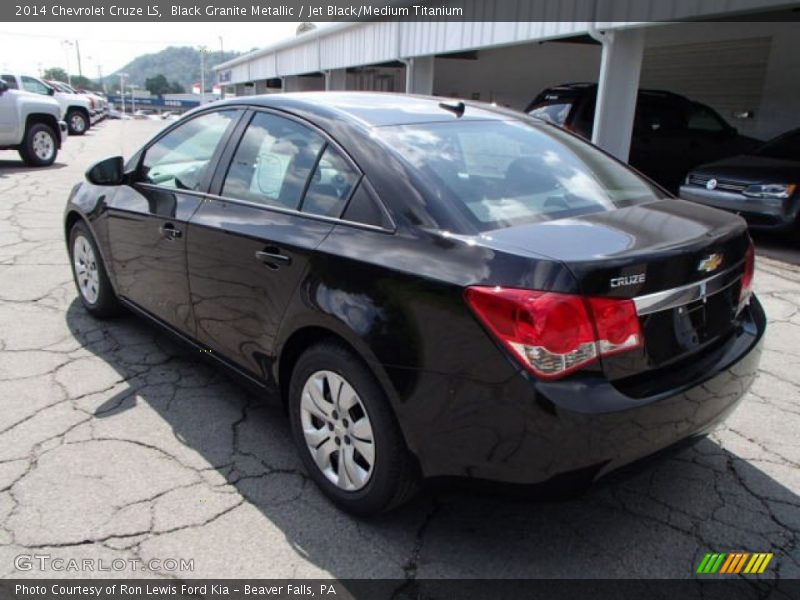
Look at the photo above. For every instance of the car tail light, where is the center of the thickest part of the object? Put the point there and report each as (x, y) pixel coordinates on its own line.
(555, 334)
(747, 277)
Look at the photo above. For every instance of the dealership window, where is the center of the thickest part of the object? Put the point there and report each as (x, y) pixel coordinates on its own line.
(181, 158)
(273, 162)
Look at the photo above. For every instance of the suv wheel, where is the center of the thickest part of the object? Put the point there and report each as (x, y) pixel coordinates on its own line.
(40, 146)
(346, 433)
(77, 122)
(89, 273)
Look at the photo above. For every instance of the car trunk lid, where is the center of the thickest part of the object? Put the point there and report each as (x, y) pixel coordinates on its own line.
(681, 263)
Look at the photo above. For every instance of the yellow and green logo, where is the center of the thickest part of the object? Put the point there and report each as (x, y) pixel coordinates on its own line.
(734, 563)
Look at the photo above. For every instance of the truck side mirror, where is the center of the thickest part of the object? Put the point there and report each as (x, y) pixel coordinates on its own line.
(3, 87)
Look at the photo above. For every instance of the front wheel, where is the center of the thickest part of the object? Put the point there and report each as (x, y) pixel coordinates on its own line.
(77, 122)
(40, 146)
(346, 432)
(89, 273)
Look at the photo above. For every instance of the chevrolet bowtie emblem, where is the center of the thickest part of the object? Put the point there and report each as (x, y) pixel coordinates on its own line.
(710, 263)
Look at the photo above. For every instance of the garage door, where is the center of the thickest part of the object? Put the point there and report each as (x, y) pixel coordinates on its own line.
(727, 75)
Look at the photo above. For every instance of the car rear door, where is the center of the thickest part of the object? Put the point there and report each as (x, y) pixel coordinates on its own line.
(147, 219)
(280, 189)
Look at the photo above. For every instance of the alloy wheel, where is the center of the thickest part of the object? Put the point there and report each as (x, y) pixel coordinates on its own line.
(86, 273)
(337, 430)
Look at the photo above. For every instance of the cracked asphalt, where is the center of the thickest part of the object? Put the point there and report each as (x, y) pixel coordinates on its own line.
(115, 442)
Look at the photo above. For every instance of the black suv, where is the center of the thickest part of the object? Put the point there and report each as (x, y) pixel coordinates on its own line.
(671, 133)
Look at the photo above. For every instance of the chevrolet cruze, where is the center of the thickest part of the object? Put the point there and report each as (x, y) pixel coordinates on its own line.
(432, 288)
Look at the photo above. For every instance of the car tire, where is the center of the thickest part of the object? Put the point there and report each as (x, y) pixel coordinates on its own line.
(340, 435)
(77, 122)
(40, 146)
(90, 276)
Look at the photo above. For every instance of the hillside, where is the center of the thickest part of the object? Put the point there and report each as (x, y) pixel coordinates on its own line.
(181, 64)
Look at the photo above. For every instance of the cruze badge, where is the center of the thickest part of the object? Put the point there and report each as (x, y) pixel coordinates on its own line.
(710, 263)
(627, 280)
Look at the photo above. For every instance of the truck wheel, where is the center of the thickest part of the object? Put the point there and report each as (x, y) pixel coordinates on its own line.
(77, 122)
(40, 146)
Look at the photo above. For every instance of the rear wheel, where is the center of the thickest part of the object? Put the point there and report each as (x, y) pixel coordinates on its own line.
(89, 273)
(346, 433)
(77, 122)
(40, 146)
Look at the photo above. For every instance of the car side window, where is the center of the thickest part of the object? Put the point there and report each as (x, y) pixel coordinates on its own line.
(34, 85)
(273, 162)
(11, 81)
(181, 158)
(331, 185)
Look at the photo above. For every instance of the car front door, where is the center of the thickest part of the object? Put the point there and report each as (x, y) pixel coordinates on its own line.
(248, 246)
(147, 219)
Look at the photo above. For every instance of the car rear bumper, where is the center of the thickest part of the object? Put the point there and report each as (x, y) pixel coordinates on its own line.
(503, 432)
(760, 213)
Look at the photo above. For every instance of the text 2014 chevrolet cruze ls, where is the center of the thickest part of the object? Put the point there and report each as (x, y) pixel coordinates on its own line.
(431, 288)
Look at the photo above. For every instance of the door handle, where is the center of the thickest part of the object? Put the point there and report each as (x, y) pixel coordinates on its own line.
(272, 257)
(170, 232)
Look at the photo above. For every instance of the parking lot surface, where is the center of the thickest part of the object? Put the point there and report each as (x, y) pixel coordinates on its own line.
(115, 442)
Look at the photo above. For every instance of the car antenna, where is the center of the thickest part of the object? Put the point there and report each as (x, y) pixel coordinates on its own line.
(457, 109)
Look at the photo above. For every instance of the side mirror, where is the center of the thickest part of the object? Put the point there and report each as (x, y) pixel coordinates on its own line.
(51, 91)
(3, 87)
(107, 172)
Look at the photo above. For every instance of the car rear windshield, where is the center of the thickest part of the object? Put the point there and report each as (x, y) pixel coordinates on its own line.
(504, 173)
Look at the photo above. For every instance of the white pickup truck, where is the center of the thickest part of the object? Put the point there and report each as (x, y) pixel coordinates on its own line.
(31, 124)
(76, 108)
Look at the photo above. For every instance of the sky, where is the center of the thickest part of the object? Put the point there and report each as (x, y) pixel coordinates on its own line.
(31, 47)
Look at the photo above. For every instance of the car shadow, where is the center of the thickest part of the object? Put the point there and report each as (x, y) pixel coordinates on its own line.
(9, 167)
(656, 518)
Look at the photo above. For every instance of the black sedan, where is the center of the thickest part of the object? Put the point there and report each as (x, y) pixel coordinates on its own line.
(763, 187)
(431, 288)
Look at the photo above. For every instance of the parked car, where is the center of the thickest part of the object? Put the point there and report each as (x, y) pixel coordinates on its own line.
(763, 186)
(97, 104)
(30, 124)
(431, 289)
(74, 107)
(671, 133)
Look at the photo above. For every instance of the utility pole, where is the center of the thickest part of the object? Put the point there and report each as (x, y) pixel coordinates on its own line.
(122, 77)
(100, 77)
(203, 51)
(78, 52)
(66, 44)
(133, 100)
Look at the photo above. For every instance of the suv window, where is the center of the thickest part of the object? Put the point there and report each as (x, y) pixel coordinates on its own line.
(660, 114)
(702, 118)
(556, 111)
(31, 84)
(11, 81)
(273, 162)
(331, 185)
(181, 158)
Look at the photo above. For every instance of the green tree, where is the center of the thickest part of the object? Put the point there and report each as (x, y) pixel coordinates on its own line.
(79, 82)
(157, 85)
(55, 73)
(176, 88)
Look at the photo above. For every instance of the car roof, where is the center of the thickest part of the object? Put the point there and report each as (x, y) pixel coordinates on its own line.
(373, 109)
